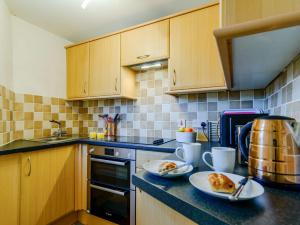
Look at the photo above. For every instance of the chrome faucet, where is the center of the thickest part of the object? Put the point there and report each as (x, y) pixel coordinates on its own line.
(59, 132)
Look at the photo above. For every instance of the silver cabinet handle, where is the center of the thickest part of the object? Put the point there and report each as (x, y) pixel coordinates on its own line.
(116, 82)
(84, 87)
(143, 56)
(92, 150)
(29, 163)
(109, 162)
(174, 77)
(108, 190)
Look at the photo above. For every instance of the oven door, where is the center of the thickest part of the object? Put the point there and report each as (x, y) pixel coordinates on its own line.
(111, 204)
(110, 172)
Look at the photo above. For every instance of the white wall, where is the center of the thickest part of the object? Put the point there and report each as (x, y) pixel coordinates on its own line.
(5, 47)
(39, 62)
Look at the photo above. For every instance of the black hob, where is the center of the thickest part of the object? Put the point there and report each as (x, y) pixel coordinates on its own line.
(139, 140)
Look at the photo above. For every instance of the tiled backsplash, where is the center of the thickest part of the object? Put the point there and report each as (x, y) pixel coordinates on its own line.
(152, 114)
(27, 116)
(157, 114)
(6, 114)
(283, 94)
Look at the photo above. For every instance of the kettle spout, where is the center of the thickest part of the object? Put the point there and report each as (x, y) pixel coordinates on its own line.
(295, 130)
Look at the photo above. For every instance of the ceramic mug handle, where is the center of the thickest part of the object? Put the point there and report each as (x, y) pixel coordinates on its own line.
(204, 160)
(179, 149)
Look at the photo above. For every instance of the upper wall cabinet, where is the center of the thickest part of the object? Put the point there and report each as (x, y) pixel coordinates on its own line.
(237, 11)
(105, 66)
(194, 63)
(94, 71)
(145, 44)
(77, 71)
(258, 39)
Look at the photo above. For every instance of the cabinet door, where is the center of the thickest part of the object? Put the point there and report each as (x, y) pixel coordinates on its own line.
(47, 185)
(77, 71)
(150, 211)
(194, 60)
(105, 66)
(9, 189)
(236, 11)
(145, 44)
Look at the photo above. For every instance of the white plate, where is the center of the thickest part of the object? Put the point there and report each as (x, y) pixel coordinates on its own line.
(153, 167)
(251, 190)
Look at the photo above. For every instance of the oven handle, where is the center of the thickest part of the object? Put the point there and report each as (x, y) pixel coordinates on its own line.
(108, 190)
(112, 162)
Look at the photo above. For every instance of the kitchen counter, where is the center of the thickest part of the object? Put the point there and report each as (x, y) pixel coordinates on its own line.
(275, 206)
(29, 145)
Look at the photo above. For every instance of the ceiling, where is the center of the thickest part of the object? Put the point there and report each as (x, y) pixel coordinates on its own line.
(67, 19)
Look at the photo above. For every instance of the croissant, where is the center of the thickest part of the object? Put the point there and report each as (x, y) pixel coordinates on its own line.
(165, 166)
(221, 183)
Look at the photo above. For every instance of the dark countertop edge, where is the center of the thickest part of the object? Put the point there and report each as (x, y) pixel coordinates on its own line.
(194, 214)
(159, 148)
(34, 146)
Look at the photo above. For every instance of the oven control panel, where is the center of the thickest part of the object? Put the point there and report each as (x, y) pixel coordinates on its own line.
(122, 153)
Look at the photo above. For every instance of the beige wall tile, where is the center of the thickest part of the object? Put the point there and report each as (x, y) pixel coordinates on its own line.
(28, 98)
(38, 99)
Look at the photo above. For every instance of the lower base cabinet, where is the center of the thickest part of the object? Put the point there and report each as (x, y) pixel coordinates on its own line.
(9, 189)
(150, 211)
(47, 185)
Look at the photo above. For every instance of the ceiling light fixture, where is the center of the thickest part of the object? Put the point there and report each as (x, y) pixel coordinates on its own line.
(148, 66)
(85, 3)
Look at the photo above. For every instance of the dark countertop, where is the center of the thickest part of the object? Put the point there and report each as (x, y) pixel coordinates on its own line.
(28, 145)
(275, 206)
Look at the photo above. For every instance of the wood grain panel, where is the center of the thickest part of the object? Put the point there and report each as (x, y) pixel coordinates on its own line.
(151, 211)
(77, 71)
(105, 66)
(47, 185)
(194, 61)
(237, 11)
(145, 44)
(88, 219)
(10, 189)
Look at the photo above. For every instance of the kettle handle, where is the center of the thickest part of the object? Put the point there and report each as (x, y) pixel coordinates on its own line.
(242, 139)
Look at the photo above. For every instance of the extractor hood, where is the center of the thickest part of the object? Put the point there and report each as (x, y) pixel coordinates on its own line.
(255, 52)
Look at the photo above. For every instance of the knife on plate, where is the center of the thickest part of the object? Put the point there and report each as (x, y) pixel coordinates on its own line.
(242, 183)
(177, 167)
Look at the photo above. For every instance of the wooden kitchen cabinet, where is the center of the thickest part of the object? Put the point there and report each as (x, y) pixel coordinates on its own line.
(10, 189)
(237, 11)
(194, 63)
(77, 71)
(105, 74)
(145, 44)
(94, 71)
(150, 211)
(47, 185)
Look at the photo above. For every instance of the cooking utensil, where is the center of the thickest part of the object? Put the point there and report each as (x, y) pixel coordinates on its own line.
(116, 117)
(104, 116)
(236, 194)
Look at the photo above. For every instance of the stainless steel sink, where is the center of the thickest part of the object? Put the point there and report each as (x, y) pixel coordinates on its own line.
(53, 139)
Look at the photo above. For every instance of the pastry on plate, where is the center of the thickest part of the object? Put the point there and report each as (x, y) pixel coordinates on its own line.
(165, 166)
(221, 183)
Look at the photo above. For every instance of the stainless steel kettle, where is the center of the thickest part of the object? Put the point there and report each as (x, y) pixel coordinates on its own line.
(274, 151)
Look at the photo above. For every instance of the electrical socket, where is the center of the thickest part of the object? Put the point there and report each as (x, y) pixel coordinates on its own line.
(181, 123)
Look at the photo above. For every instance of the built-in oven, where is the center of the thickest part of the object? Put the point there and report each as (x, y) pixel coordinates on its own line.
(111, 194)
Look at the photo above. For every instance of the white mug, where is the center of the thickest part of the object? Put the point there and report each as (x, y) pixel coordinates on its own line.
(223, 159)
(191, 153)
